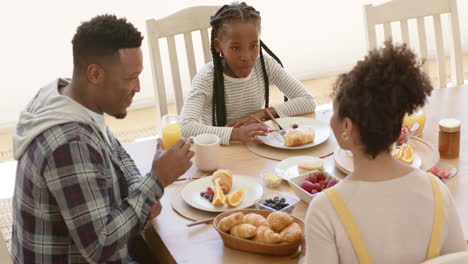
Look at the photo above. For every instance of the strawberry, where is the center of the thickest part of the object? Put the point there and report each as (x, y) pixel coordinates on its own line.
(320, 176)
(444, 174)
(209, 191)
(313, 191)
(317, 187)
(331, 183)
(307, 186)
(435, 171)
(312, 178)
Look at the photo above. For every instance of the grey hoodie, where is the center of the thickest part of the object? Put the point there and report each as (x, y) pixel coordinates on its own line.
(47, 109)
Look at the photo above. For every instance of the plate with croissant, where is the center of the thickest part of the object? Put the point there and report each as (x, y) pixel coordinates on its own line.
(226, 191)
(301, 132)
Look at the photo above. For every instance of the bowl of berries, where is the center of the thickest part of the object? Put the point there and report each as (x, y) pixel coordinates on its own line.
(444, 171)
(309, 184)
(277, 201)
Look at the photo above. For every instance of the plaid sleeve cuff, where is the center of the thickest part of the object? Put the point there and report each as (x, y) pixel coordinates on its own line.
(151, 191)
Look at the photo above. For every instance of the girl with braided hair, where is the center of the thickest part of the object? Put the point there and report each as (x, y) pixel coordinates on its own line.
(235, 86)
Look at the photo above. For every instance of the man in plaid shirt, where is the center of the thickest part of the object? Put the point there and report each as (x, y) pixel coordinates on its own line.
(79, 197)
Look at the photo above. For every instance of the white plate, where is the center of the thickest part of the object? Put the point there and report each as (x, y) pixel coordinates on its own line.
(274, 139)
(252, 192)
(348, 166)
(289, 167)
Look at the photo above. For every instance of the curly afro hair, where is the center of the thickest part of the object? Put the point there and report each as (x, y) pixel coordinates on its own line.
(102, 37)
(379, 91)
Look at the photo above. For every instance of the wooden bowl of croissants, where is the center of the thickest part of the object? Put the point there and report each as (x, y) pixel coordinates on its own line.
(260, 231)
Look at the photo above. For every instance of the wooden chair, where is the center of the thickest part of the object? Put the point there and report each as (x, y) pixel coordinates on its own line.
(402, 11)
(453, 258)
(183, 22)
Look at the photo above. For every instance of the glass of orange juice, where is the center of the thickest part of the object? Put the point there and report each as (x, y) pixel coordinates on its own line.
(171, 132)
(415, 122)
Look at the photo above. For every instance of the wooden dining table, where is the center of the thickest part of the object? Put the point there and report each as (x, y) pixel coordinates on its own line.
(173, 242)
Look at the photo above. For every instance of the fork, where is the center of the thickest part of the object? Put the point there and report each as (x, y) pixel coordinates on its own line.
(273, 119)
(281, 131)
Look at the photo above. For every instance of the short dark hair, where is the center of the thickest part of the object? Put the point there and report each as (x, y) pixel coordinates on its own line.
(102, 37)
(379, 91)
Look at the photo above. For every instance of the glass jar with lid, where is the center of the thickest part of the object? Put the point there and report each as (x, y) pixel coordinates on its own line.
(449, 138)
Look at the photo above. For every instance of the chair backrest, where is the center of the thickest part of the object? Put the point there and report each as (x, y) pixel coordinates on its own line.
(453, 258)
(182, 22)
(402, 11)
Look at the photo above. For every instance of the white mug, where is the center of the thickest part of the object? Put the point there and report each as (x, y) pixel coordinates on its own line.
(207, 152)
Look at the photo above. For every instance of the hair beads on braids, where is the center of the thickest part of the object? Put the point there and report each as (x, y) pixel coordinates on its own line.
(225, 15)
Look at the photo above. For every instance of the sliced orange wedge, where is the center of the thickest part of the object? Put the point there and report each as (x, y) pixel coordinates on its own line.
(408, 155)
(235, 198)
(218, 198)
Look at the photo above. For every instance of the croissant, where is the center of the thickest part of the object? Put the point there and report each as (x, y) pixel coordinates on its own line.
(279, 221)
(243, 231)
(291, 233)
(266, 235)
(226, 223)
(297, 137)
(225, 179)
(255, 219)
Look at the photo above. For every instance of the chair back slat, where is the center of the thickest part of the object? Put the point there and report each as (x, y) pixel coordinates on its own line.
(190, 54)
(387, 31)
(405, 32)
(206, 45)
(422, 42)
(440, 58)
(175, 73)
(456, 60)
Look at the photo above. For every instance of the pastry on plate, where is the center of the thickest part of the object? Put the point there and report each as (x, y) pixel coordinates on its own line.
(224, 178)
(297, 137)
(310, 164)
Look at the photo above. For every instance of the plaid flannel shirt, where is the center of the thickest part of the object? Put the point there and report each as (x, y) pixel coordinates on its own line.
(78, 199)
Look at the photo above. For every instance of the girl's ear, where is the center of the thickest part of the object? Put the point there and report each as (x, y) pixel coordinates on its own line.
(216, 45)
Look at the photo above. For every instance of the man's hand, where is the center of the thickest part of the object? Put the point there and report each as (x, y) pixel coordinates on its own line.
(155, 211)
(171, 164)
(249, 133)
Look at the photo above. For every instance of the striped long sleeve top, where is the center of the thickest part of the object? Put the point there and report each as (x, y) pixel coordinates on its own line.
(243, 96)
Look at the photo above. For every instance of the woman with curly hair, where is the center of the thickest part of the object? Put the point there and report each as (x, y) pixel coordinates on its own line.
(385, 211)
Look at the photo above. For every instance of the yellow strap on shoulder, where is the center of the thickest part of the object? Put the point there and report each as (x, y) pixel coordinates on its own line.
(436, 237)
(350, 226)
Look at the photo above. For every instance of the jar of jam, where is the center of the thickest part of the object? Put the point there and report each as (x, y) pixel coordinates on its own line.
(449, 138)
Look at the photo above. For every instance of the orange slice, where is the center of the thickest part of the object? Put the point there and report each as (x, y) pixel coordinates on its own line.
(218, 198)
(235, 198)
(408, 155)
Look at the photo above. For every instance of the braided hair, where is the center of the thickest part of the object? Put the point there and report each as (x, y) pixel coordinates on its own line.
(228, 14)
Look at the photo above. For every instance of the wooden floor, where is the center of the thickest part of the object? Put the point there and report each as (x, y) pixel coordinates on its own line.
(142, 123)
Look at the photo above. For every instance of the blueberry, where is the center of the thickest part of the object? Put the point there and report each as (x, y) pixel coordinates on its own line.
(202, 194)
(283, 200)
(276, 198)
(286, 204)
(210, 199)
(269, 201)
(295, 126)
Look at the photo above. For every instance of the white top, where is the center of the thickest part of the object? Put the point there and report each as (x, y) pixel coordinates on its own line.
(243, 96)
(100, 121)
(395, 218)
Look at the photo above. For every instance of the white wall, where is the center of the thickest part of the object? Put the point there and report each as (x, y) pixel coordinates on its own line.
(313, 39)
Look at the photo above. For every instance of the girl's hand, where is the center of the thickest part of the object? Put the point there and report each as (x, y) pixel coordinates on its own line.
(249, 133)
(246, 120)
